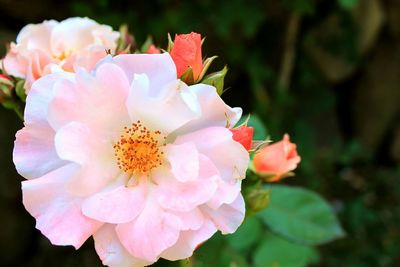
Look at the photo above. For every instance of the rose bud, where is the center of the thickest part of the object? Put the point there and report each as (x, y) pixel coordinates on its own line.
(243, 135)
(275, 162)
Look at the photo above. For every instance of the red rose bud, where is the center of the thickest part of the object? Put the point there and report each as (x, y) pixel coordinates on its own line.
(275, 162)
(186, 53)
(243, 135)
(153, 50)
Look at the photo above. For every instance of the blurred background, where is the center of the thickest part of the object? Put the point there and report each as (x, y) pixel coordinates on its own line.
(326, 72)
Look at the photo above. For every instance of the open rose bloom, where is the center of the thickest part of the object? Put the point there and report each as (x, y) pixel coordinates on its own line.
(55, 46)
(129, 154)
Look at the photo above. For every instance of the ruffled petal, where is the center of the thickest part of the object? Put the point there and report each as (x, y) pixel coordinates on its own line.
(188, 241)
(153, 231)
(120, 204)
(34, 153)
(93, 100)
(178, 196)
(111, 251)
(228, 217)
(184, 160)
(214, 112)
(172, 106)
(159, 68)
(58, 214)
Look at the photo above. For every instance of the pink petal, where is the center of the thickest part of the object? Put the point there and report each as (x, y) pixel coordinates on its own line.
(216, 143)
(40, 95)
(172, 100)
(150, 233)
(117, 205)
(228, 217)
(58, 215)
(188, 241)
(159, 68)
(177, 196)
(214, 112)
(34, 153)
(111, 251)
(184, 160)
(99, 100)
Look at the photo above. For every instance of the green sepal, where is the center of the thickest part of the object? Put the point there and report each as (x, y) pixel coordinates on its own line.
(170, 43)
(187, 76)
(145, 46)
(20, 90)
(216, 79)
(206, 65)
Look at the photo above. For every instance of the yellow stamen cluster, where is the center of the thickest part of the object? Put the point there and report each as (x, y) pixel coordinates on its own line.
(138, 150)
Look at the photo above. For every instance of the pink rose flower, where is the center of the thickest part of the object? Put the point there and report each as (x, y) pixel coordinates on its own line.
(243, 135)
(132, 156)
(58, 46)
(276, 161)
(186, 53)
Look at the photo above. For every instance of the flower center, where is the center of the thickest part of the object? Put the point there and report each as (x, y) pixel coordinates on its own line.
(138, 150)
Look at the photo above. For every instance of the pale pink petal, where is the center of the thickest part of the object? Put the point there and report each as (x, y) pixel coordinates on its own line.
(98, 97)
(177, 196)
(228, 217)
(111, 251)
(159, 68)
(188, 241)
(34, 153)
(40, 95)
(172, 100)
(216, 143)
(191, 220)
(73, 34)
(78, 143)
(153, 231)
(184, 160)
(116, 205)
(58, 215)
(37, 36)
(214, 112)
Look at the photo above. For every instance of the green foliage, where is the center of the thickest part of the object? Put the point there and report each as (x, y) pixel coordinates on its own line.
(348, 4)
(277, 252)
(301, 215)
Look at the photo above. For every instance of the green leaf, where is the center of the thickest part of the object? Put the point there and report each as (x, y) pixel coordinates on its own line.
(277, 252)
(247, 234)
(301, 215)
(348, 4)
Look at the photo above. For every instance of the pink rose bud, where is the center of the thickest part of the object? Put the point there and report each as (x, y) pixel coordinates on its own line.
(153, 50)
(243, 135)
(275, 162)
(186, 53)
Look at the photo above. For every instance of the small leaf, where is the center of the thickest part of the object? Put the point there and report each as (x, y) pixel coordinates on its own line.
(170, 43)
(216, 79)
(301, 215)
(277, 252)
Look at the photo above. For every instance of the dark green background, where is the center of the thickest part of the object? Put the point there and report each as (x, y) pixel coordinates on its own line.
(340, 102)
